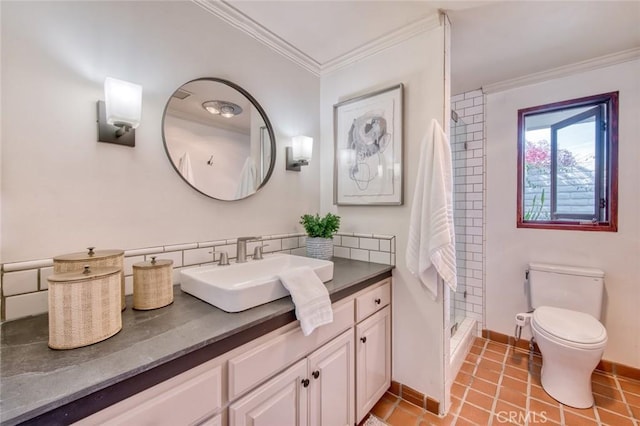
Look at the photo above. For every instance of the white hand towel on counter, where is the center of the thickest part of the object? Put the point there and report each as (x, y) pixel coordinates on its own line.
(310, 295)
(431, 230)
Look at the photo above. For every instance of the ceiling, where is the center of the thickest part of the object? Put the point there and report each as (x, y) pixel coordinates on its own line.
(491, 41)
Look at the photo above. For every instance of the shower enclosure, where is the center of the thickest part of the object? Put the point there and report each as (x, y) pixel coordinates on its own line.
(458, 152)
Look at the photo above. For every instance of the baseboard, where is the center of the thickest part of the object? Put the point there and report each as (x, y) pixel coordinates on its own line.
(416, 398)
(605, 366)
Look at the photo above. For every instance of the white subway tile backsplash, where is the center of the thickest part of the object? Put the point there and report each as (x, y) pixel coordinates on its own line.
(380, 257)
(199, 255)
(342, 252)
(129, 261)
(45, 273)
(289, 243)
(358, 254)
(378, 248)
(350, 242)
(30, 264)
(176, 247)
(143, 251)
(19, 282)
(24, 305)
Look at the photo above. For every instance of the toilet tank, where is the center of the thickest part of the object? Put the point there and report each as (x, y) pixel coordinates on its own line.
(568, 287)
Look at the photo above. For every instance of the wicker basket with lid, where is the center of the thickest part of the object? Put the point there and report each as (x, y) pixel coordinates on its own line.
(84, 307)
(152, 284)
(95, 259)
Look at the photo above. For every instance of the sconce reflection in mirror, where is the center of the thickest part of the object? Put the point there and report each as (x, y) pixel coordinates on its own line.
(299, 153)
(120, 112)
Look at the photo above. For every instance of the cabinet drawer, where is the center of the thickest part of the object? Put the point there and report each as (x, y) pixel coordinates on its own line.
(373, 300)
(253, 367)
(184, 399)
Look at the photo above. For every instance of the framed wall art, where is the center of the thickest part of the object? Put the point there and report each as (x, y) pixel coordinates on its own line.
(368, 149)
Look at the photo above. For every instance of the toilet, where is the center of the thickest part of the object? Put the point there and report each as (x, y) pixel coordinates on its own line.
(567, 303)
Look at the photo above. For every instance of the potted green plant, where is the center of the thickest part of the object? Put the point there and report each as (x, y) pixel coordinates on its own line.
(320, 232)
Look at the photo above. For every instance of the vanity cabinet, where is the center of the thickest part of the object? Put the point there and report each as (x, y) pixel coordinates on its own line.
(331, 378)
(316, 391)
(373, 360)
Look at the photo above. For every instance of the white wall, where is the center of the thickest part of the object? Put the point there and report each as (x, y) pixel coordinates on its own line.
(418, 321)
(63, 191)
(510, 249)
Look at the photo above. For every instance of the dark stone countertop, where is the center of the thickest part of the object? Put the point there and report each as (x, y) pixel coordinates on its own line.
(36, 381)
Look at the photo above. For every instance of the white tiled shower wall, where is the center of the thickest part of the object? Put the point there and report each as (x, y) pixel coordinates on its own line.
(24, 284)
(468, 149)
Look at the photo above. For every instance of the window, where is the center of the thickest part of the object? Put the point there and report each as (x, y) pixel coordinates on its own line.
(568, 164)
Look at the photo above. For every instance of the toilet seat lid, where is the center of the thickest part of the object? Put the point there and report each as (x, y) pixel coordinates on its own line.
(572, 326)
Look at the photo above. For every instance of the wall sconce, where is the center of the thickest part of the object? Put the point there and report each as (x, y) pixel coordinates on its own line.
(120, 112)
(299, 154)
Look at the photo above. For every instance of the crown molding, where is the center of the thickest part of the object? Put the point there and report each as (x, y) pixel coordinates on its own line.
(239, 20)
(563, 71)
(388, 40)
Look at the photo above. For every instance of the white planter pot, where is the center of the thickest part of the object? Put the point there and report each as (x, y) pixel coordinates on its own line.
(320, 248)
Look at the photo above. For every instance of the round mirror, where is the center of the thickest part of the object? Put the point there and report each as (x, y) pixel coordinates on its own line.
(218, 139)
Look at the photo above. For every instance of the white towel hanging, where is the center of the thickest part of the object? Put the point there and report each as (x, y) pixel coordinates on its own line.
(431, 229)
(184, 167)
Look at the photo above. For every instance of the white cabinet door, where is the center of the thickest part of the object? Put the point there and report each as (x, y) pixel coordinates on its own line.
(373, 360)
(282, 400)
(332, 375)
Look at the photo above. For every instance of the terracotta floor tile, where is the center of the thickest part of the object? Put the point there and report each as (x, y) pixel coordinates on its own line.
(497, 347)
(572, 419)
(458, 390)
(516, 373)
(505, 413)
(383, 408)
(411, 408)
(488, 388)
(603, 379)
(476, 350)
(467, 367)
(613, 419)
(514, 384)
(455, 405)
(400, 417)
(535, 380)
(543, 410)
(583, 412)
(488, 375)
(493, 356)
(632, 386)
(474, 414)
(463, 422)
(536, 370)
(518, 360)
(479, 399)
(390, 397)
(539, 393)
(479, 341)
(632, 398)
(429, 419)
(472, 358)
(606, 391)
(613, 405)
(513, 397)
(487, 364)
(463, 378)
(635, 411)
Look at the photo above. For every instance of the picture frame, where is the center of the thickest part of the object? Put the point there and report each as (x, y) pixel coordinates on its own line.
(368, 149)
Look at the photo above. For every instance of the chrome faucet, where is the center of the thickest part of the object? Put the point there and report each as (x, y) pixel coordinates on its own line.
(242, 248)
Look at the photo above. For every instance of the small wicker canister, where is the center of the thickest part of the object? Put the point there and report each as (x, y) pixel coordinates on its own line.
(95, 259)
(84, 307)
(152, 284)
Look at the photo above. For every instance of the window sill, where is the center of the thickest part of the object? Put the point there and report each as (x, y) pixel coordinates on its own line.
(570, 226)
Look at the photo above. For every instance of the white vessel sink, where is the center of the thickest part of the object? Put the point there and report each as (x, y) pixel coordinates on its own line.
(241, 286)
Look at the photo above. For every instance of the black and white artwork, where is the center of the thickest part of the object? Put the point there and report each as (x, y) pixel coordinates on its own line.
(368, 149)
